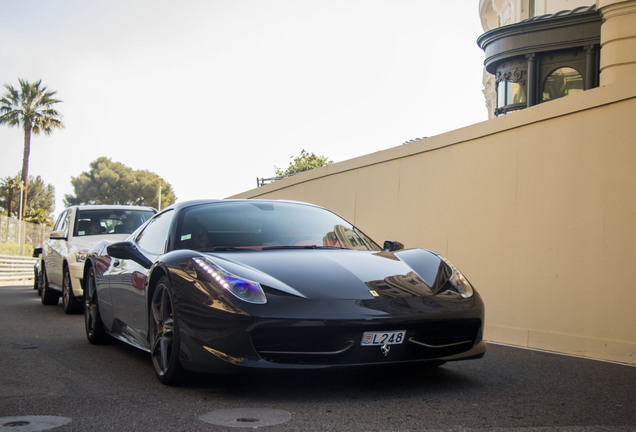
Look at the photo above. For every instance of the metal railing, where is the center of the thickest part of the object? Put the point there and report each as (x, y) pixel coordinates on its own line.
(16, 267)
(263, 181)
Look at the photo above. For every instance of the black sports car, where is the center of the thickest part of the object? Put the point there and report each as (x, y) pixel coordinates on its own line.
(215, 284)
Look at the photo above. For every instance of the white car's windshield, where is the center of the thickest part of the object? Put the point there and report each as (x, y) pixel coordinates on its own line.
(264, 226)
(109, 221)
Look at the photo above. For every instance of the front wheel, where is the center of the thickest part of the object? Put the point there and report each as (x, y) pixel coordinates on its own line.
(95, 332)
(164, 334)
(69, 301)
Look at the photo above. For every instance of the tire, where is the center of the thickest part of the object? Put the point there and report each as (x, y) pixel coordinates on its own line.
(50, 297)
(69, 301)
(41, 281)
(163, 333)
(95, 332)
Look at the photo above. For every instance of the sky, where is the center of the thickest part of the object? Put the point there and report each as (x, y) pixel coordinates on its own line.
(211, 94)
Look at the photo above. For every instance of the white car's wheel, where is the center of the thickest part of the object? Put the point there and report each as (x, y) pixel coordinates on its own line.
(69, 301)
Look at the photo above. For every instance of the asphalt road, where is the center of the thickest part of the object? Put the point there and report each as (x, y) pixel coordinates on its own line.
(51, 378)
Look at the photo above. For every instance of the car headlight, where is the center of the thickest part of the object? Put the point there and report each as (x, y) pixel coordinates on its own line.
(244, 289)
(459, 281)
(80, 255)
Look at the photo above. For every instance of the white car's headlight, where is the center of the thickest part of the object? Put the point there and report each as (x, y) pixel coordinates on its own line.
(80, 255)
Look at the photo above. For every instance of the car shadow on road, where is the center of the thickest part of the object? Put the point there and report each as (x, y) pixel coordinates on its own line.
(325, 385)
(364, 383)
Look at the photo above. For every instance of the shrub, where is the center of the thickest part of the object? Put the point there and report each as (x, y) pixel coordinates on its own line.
(14, 249)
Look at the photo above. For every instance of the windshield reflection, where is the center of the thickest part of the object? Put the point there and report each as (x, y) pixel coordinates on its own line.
(227, 226)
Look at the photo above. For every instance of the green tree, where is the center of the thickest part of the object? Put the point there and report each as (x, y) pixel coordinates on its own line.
(42, 196)
(31, 108)
(38, 216)
(108, 182)
(304, 162)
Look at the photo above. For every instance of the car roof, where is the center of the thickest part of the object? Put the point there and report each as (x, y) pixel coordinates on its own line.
(192, 203)
(109, 207)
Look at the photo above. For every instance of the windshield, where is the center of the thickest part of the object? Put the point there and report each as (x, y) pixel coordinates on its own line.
(109, 221)
(262, 226)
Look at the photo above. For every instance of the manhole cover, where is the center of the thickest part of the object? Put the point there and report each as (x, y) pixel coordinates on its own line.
(246, 417)
(31, 423)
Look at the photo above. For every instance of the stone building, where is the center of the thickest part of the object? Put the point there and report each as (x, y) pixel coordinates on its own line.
(540, 51)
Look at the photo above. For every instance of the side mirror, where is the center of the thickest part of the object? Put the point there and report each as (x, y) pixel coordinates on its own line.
(127, 250)
(57, 235)
(392, 246)
(37, 252)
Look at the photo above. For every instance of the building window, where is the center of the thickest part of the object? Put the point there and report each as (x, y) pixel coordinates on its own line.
(510, 93)
(511, 86)
(542, 58)
(562, 82)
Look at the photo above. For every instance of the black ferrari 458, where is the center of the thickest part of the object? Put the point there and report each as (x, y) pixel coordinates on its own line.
(212, 285)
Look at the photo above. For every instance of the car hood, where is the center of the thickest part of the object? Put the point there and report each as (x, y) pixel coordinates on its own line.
(87, 242)
(339, 274)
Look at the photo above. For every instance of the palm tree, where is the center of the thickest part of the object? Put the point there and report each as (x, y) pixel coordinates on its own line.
(29, 107)
(38, 216)
(10, 184)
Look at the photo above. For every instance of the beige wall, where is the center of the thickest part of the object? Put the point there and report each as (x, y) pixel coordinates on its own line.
(618, 40)
(538, 208)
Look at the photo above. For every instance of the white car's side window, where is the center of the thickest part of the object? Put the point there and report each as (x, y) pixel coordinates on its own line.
(63, 221)
(66, 222)
(60, 221)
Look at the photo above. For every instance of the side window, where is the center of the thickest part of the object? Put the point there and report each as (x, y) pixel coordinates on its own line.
(59, 221)
(154, 236)
(63, 221)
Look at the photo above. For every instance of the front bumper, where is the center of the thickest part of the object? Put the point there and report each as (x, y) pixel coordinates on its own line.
(76, 271)
(330, 334)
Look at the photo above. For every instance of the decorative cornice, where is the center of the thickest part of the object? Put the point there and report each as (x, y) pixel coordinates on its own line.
(546, 33)
(514, 71)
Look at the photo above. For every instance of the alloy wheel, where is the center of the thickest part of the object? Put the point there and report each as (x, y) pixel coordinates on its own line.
(71, 304)
(163, 330)
(66, 288)
(95, 332)
(90, 305)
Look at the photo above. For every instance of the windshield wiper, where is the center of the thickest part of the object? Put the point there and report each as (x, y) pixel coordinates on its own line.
(301, 247)
(224, 248)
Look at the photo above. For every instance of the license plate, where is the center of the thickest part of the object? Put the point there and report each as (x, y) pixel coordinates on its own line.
(381, 338)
